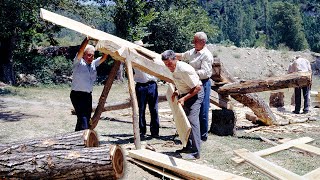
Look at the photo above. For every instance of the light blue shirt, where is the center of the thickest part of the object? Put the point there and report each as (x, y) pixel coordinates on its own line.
(142, 77)
(84, 75)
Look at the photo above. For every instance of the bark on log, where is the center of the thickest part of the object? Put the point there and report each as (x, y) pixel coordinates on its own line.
(299, 79)
(256, 104)
(86, 163)
(74, 140)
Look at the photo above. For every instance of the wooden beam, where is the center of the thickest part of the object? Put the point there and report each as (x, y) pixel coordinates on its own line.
(135, 108)
(267, 167)
(252, 100)
(186, 169)
(220, 100)
(102, 100)
(313, 175)
(299, 79)
(181, 120)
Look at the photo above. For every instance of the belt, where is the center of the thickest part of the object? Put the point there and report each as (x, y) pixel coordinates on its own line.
(80, 92)
(147, 83)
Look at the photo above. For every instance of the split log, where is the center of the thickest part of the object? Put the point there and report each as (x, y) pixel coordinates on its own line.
(276, 99)
(223, 122)
(74, 140)
(252, 100)
(298, 79)
(105, 162)
(252, 117)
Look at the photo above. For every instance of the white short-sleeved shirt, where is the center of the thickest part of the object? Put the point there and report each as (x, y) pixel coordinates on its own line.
(300, 65)
(142, 77)
(84, 75)
(201, 61)
(185, 77)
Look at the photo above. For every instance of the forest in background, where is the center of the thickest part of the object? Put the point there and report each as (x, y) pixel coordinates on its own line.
(163, 24)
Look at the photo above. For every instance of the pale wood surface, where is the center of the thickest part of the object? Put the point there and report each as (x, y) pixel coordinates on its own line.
(313, 175)
(299, 79)
(181, 121)
(267, 167)
(135, 108)
(187, 169)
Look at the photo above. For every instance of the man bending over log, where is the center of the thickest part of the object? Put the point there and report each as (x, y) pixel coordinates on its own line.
(84, 74)
(190, 95)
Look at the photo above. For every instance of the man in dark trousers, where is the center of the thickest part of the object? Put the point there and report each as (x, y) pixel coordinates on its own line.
(190, 95)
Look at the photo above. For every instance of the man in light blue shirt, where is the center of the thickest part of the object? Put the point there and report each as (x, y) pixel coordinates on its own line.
(83, 77)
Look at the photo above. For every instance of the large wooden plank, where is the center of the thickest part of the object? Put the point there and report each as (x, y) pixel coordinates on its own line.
(184, 168)
(274, 149)
(267, 167)
(181, 121)
(120, 49)
(298, 79)
(313, 175)
(308, 148)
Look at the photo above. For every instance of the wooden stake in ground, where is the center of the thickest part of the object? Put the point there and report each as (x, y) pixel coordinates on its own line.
(135, 108)
(74, 140)
(105, 162)
(102, 100)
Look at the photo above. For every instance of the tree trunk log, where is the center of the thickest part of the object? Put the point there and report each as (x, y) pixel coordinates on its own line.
(299, 79)
(256, 104)
(79, 139)
(86, 163)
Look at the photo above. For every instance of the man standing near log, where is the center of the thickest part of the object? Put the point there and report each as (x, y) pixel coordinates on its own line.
(301, 65)
(147, 92)
(190, 95)
(83, 77)
(201, 59)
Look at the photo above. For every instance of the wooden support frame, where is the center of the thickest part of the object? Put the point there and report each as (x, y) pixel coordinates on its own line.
(273, 170)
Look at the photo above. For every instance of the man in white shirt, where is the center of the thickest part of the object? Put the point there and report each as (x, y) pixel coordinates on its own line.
(201, 59)
(301, 65)
(190, 95)
(147, 93)
(83, 77)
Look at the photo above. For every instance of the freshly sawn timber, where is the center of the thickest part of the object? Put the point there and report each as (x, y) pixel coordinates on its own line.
(105, 162)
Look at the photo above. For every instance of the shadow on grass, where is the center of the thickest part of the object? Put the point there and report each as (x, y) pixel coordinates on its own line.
(8, 116)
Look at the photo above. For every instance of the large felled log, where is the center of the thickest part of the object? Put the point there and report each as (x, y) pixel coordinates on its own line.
(252, 100)
(105, 162)
(298, 79)
(74, 140)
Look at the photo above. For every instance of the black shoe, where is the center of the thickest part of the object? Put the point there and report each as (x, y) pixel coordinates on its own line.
(305, 112)
(155, 136)
(295, 112)
(142, 136)
(184, 150)
(204, 139)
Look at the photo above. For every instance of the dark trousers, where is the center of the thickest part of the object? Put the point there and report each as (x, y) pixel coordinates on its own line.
(306, 97)
(192, 109)
(82, 103)
(147, 93)
(204, 110)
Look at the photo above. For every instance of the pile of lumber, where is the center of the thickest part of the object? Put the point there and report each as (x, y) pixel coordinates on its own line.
(69, 156)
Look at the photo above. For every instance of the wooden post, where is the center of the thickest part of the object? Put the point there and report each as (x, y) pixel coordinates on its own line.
(276, 99)
(135, 109)
(102, 100)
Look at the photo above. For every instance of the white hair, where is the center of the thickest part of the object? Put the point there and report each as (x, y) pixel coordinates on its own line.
(201, 36)
(89, 48)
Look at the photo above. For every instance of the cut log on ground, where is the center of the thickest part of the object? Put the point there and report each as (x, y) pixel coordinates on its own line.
(183, 168)
(223, 122)
(252, 100)
(276, 99)
(85, 163)
(74, 140)
(298, 79)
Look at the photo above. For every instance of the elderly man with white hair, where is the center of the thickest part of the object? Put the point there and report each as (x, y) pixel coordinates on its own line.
(201, 59)
(83, 77)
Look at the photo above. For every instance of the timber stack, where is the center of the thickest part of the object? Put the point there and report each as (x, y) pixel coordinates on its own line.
(73, 155)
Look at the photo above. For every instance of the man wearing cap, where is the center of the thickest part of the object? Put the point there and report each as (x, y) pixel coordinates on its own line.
(190, 95)
(201, 59)
(147, 93)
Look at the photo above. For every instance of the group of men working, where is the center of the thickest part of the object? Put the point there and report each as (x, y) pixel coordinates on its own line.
(192, 88)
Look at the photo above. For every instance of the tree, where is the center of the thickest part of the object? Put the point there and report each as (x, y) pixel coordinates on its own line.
(285, 26)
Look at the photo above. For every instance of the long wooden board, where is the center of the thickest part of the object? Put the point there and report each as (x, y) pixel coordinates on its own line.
(269, 168)
(181, 121)
(186, 169)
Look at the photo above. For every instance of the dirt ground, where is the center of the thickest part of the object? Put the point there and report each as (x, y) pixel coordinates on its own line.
(27, 113)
